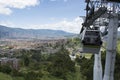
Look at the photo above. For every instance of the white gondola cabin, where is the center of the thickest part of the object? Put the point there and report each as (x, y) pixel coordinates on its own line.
(91, 41)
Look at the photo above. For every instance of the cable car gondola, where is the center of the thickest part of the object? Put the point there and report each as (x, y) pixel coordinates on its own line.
(91, 41)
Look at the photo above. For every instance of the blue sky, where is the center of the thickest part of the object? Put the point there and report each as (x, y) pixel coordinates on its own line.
(43, 14)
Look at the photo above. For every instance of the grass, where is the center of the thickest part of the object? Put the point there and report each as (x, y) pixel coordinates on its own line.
(5, 77)
(88, 56)
(78, 75)
(46, 77)
(18, 78)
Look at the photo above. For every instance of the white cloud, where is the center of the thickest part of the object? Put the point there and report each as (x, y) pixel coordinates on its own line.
(7, 5)
(7, 23)
(4, 10)
(73, 26)
(119, 29)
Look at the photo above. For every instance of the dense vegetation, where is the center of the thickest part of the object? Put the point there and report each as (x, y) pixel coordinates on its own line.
(36, 65)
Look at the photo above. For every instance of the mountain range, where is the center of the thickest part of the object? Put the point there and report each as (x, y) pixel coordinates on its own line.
(14, 33)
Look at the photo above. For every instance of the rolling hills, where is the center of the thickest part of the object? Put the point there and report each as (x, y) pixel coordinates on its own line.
(7, 32)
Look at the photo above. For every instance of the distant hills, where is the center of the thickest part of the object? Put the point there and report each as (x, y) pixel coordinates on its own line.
(14, 33)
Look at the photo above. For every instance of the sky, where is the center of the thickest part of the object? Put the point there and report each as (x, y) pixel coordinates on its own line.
(43, 14)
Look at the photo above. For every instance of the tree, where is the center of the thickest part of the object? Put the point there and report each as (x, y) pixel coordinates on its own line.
(26, 61)
(6, 69)
(87, 67)
(61, 64)
(31, 76)
(36, 56)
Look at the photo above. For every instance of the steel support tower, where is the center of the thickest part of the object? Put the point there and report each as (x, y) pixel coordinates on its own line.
(113, 9)
(111, 45)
